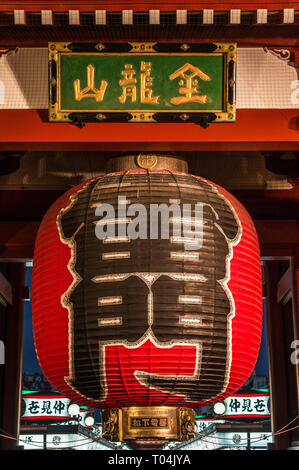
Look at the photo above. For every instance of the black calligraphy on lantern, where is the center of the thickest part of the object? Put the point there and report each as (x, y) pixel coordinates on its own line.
(163, 294)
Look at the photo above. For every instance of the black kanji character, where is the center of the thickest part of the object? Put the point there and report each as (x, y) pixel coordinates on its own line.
(33, 407)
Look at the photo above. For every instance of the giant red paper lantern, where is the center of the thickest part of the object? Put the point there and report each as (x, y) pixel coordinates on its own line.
(146, 322)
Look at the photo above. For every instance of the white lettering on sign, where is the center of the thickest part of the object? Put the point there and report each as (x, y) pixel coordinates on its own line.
(295, 93)
(32, 441)
(203, 424)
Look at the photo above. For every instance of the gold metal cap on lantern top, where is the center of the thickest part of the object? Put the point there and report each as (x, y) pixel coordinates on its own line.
(148, 422)
(147, 161)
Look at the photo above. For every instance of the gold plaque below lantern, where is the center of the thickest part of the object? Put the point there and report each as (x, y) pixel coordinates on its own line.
(160, 422)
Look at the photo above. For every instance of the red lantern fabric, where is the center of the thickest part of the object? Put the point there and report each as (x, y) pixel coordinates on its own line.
(140, 322)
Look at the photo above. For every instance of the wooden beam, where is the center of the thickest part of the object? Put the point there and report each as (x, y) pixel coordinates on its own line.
(29, 205)
(254, 129)
(277, 232)
(270, 204)
(282, 35)
(139, 5)
(5, 289)
(284, 285)
(278, 36)
(17, 240)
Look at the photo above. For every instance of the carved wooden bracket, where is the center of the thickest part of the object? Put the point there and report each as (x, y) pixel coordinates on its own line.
(278, 165)
(290, 54)
(6, 50)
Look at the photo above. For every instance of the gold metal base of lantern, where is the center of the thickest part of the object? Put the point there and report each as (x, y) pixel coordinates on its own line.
(148, 422)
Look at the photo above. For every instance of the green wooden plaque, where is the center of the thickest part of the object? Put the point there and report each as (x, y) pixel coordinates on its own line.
(142, 82)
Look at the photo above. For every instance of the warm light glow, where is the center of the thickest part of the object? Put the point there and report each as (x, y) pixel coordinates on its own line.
(73, 409)
(219, 408)
(89, 420)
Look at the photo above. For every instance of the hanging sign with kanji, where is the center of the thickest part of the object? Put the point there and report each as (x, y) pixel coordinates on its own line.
(249, 405)
(142, 82)
(37, 406)
(40, 407)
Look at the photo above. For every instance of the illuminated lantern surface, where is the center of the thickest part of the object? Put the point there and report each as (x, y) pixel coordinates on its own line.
(146, 321)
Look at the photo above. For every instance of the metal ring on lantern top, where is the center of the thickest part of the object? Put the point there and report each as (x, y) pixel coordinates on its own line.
(147, 329)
